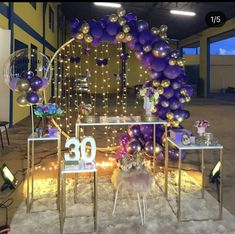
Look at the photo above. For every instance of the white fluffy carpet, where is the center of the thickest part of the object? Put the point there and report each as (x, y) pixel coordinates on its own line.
(44, 217)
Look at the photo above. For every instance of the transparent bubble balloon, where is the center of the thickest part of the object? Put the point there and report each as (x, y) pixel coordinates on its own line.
(28, 72)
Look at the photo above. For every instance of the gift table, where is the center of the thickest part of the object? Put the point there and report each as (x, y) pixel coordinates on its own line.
(30, 164)
(202, 148)
(136, 120)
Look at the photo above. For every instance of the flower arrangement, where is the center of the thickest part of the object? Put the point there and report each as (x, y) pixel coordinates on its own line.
(131, 161)
(201, 124)
(47, 111)
(150, 93)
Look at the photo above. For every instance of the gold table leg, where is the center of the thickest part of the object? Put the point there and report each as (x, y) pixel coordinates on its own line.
(179, 188)
(203, 172)
(166, 164)
(221, 186)
(59, 170)
(32, 168)
(28, 177)
(95, 202)
(154, 148)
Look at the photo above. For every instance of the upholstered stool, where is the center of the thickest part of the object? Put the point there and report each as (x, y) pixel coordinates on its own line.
(135, 181)
(4, 124)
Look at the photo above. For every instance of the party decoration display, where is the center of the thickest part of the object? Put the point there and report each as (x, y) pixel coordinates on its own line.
(48, 111)
(23, 73)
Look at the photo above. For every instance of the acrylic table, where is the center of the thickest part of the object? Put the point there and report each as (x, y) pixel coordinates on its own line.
(202, 148)
(30, 164)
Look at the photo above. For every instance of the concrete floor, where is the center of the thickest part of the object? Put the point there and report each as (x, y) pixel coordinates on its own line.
(218, 111)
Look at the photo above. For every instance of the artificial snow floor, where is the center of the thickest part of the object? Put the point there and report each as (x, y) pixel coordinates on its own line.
(44, 217)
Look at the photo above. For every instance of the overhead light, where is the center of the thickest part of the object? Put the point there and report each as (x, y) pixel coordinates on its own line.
(9, 178)
(187, 13)
(108, 4)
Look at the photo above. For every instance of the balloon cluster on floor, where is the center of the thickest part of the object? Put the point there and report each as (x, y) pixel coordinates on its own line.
(21, 74)
(165, 68)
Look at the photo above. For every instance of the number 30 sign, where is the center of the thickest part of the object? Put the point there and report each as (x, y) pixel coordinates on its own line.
(79, 149)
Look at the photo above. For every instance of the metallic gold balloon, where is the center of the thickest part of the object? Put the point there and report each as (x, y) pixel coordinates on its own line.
(172, 61)
(183, 91)
(163, 28)
(163, 35)
(155, 30)
(181, 62)
(22, 101)
(85, 28)
(156, 83)
(113, 18)
(158, 149)
(154, 109)
(169, 115)
(120, 36)
(188, 99)
(122, 21)
(22, 85)
(165, 83)
(160, 90)
(79, 36)
(175, 123)
(168, 124)
(121, 12)
(88, 38)
(126, 28)
(128, 37)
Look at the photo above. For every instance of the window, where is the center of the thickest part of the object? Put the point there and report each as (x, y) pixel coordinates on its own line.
(33, 4)
(51, 19)
(191, 51)
(223, 47)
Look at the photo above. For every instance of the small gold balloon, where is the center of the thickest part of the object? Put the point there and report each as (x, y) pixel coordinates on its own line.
(22, 85)
(88, 38)
(79, 36)
(169, 115)
(187, 99)
(128, 37)
(163, 28)
(181, 62)
(113, 18)
(85, 28)
(122, 21)
(175, 124)
(22, 101)
(172, 61)
(168, 124)
(120, 36)
(121, 12)
(163, 35)
(156, 83)
(183, 91)
(155, 30)
(160, 90)
(126, 28)
(158, 149)
(154, 109)
(165, 83)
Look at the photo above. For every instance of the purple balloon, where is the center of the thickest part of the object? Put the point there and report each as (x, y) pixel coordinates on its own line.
(97, 30)
(160, 156)
(184, 114)
(154, 75)
(142, 25)
(75, 23)
(147, 59)
(107, 38)
(112, 28)
(158, 64)
(189, 89)
(174, 154)
(124, 139)
(36, 83)
(96, 42)
(168, 92)
(145, 37)
(138, 46)
(13, 83)
(162, 111)
(172, 72)
(139, 54)
(175, 54)
(32, 97)
(175, 104)
(175, 85)
(164, 102)
(160, 49)
(134, 131)
(133, 146)
(131, 44)
(146, 130)
(130, 17)
(149, 147)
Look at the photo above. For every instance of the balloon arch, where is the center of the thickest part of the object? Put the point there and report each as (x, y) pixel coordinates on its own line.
(151, 46)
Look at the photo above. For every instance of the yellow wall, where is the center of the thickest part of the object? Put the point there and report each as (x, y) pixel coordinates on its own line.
(30, 15)
(3, 22)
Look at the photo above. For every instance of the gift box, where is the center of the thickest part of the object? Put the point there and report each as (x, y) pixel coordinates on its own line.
(176, 134)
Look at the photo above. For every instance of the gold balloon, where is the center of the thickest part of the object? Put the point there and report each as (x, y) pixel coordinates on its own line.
(122, 21)
(128, 37)
(160, 90)
(113, 18)
(22, 85)
(183, 91)
(85, 28)
(126, 28)
(158, 149)
(172, 61)
(165, 83)
(181, 62)
(169, 115)
(163, 28)
(79, 36)
(163, 35)
(156, 83)
(22, 101)
(155, 30)
(154, 109)
(120, 36)
(88, 38)
(188, 99)
(121, 12)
